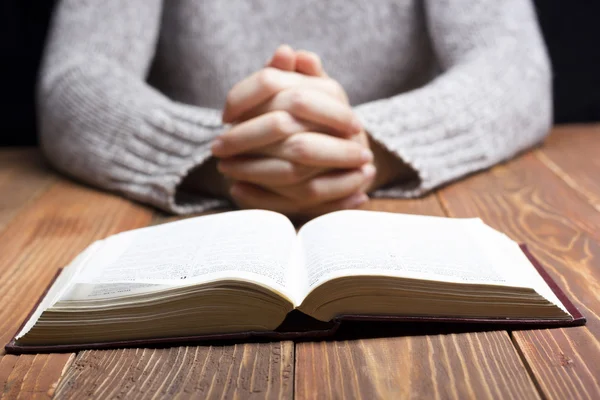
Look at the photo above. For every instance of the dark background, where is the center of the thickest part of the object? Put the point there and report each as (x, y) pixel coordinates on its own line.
(571, 30)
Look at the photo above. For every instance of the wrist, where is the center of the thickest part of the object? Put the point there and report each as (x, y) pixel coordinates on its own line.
(389, 167)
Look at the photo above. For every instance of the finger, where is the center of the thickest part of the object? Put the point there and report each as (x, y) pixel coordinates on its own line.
(264, 84)
(369, 183)
(257, 132)
(313, 106)
(246, 195)
(353, 201)
(284, 59)
(319, 150)
(309, 63)
(266, 171)
(251, 196)
(328, 187)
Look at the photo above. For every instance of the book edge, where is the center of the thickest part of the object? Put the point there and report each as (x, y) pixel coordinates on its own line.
(564, 299)
(12, 343)
(578, 320)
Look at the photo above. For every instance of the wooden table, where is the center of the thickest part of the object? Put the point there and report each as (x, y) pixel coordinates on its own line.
(548, 198)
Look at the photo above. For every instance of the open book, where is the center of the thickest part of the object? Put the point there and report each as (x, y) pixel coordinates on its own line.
(244, 271)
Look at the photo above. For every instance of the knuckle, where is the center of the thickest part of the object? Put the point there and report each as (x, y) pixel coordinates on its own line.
(298, 148)
(289, 174)
(282, 122)
(267, 79)
(295, 173)
(311, 191)
(297, 100)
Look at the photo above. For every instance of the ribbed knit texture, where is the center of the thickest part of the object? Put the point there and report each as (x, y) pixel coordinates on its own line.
(130, 91)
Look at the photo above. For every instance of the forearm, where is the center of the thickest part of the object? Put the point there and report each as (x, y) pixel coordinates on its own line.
(108, 129)
(102, 123)
(492, 100)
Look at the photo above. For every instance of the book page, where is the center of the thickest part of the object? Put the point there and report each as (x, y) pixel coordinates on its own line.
(59, 287)
(509, 256)
(348, 243)
(251, 245)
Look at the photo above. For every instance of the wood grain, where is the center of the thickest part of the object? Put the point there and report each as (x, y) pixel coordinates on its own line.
(23, 177)
(531, 204)
(48, 234)
(548, 199)
(458, 366)
(7, 364)
(44, 235)
(573, 153)
(427, 205)
(248, 371)
(34, 376)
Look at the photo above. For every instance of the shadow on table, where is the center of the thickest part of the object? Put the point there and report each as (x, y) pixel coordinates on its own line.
(354, 330)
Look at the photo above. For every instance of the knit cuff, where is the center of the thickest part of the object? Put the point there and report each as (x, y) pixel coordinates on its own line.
(170, 142)
(437, 152)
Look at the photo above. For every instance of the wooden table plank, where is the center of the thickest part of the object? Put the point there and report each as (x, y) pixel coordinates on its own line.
(573, 153)
(44, 236)
(34, 376)
(256, 370)
(438, 366)
(23, 177)
(530, 203)
(7, 364)
(457, 366)
(470, 365)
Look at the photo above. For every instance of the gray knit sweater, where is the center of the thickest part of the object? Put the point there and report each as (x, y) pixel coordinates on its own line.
(130, 93)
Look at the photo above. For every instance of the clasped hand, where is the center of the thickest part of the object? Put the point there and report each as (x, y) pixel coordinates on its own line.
(295, 146)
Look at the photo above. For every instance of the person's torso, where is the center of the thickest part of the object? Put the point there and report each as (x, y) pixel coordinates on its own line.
(375, 49)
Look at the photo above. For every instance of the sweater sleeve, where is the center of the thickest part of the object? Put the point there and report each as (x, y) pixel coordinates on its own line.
(491, 100)
(102, 123)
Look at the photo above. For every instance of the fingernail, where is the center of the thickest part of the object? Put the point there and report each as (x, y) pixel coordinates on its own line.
(368, 170)
(357, 200)
(355, 126)
(366, 155)
(217, 145)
